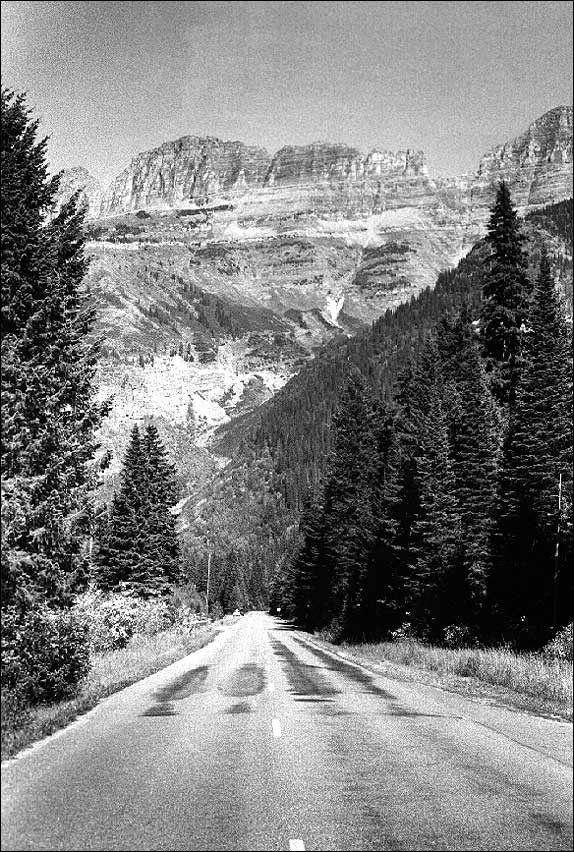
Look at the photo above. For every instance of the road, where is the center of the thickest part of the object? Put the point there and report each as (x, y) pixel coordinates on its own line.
(263, 741)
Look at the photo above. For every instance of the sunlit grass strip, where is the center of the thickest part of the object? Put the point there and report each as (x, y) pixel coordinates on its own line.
(110, 672)
(532, 675)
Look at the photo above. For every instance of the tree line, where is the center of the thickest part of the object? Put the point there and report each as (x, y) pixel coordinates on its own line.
(447, 504)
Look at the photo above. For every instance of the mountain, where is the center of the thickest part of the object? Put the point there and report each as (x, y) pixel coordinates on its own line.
(219, 270)
(537, 164)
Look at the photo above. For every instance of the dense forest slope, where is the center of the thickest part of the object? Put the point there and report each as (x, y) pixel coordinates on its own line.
(278, 453)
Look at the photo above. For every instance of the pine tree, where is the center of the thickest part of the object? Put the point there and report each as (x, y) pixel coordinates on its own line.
(505, 303)
(350, 526)
(415, 389)
(139, 549)
(307, 579)
(123, 542)
(50, 413)
(160, 495)
(537, 453)
(474, 436)
(384, 593)
(437, 579)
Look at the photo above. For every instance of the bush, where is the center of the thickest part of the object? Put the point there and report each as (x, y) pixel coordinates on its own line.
(15, 710)
(45, 653)
(458, 636)
(109, 619)
(112, 619)
(561, 646)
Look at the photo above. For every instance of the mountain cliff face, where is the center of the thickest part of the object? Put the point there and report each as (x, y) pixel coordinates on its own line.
(332, 179)
(537, 164)
(191, 169)
(218, 269)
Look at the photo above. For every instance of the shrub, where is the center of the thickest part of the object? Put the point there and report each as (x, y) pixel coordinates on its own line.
(561, 646)
(113, 618)
(458, 636)
(45, 653)
(109, 619)
(15, 710)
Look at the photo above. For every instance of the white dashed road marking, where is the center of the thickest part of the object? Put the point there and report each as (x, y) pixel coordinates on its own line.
(276, 727)
(296, 846)
(271, 687)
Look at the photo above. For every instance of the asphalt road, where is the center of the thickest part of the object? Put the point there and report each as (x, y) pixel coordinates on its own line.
(262, 741)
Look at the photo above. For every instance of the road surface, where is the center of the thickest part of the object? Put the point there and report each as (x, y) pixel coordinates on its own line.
(263, 741)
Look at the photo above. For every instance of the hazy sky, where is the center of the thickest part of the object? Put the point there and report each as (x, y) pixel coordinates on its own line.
(110, 79)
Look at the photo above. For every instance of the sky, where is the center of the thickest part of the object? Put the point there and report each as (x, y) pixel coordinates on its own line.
(111, 79)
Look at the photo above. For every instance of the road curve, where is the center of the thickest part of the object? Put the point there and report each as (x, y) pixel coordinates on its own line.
(264, 741)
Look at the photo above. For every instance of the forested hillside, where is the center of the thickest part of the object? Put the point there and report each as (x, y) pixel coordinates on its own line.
(294, 427)
(445, 511)
(280, 452)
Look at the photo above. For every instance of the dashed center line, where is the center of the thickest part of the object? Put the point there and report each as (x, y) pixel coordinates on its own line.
(275, 724)
(296, 846)
(271, 687)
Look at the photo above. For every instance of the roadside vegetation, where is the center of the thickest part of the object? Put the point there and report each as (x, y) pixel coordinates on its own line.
(540, 682)
(128, 639)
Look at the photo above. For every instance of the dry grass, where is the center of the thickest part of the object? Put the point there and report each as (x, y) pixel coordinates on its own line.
(544, 683)
(110, 672)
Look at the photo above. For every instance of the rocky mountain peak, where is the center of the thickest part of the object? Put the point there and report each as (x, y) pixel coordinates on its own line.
(537, 164)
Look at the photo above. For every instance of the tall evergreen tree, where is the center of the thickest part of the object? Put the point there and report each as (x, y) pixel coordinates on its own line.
(437, 587)
(50, 413)
(123, 542)
(537, 455)
(160, 494)
(139, 549)
(308, 575)
(384, 593)
(504, 306)
(475, 434)
(414, 393)
(350, 525)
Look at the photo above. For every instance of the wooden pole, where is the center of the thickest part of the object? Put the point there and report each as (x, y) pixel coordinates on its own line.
(556, 558)
(208, 580)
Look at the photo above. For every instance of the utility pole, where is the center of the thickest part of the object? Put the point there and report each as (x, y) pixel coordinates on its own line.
(556, 558)
(208, 580)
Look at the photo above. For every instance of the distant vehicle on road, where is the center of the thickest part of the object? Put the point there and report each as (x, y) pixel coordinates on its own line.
(237, 612)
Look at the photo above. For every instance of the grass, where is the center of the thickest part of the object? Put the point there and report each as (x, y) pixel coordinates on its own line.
(110, 672)
(529, 681)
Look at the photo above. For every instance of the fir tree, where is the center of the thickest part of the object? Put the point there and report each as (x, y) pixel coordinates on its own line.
(414, 395)
(437, 586)
(308, 575)
(384, 593)
(139, 549)
(474, 432)
(50, 413)
(123, 542)
(160, 495)
(504, 306)
(350, 526)
(537, 454)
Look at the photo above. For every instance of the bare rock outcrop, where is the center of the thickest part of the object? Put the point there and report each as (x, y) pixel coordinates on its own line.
(537, 164)
(190, 171)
